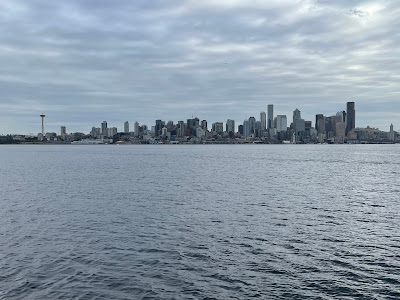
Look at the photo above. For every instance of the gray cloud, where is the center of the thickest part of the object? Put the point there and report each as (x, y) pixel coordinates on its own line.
(82, 62)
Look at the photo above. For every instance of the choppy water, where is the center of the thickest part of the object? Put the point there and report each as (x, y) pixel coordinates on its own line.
(200, 222)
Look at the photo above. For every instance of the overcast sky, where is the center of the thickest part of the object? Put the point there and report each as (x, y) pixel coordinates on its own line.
(84, 61)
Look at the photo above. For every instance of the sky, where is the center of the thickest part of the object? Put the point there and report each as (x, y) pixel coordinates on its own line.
(81, 62)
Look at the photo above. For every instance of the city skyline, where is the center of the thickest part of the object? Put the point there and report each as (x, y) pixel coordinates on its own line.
(120, 124)
(83, 61)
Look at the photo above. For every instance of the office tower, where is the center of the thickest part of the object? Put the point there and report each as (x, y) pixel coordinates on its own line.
(308, 125)
(328, 127)
(350, 117)
(104, 128)
(218, 127)
(257, 130)
(281, 123)
(341, 116)
(158, 128)
(204, 125)
(252, 125)
(63, 132)
(391, 133)
(296, 115)
(181, 128)
(246, 128)
(240, 129)
(230, 126)
(270, 120)
(317, 121)
(126, 127)
(299, 126)
(192, 124)
(263, 119)
(112, 131)
(340, 129)
(136, 129)
(93, 132)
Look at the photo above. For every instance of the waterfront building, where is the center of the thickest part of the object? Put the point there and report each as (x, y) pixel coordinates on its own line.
(350, 117)
(263, 119)
(270, 120)
(126, 127)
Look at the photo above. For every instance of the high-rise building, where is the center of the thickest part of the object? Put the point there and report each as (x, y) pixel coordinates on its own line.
(270, 120)
(126, 127)
(263, 119)
(252, 125)
(159, 126)
(181, 129)
(281, 123)
(230, 126)
(391, 133)
(240, 129)
(192, 124)
(296, 115)
(218, 127)
(63, 132)
(204, 125)
(136, 129)
(104, 128)
(340, 129)
(350, 117)
(317, 121)
(246, 128)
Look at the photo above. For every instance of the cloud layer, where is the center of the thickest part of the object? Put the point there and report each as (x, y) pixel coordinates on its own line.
(85, 61)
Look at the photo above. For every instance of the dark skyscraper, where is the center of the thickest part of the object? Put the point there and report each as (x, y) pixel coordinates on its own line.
(350, 117)
(317, 118)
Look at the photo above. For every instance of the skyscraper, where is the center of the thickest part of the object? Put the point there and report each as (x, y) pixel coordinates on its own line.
(136, 129)
(246, 128)
(126, 127)
(252, 125)
(281, 123)
(263, 119)
(63, 131)
(317, 121)
(104, 128)
(270, 120)
(391, 133)
(350, 117)
(296, 115)
(230, 126)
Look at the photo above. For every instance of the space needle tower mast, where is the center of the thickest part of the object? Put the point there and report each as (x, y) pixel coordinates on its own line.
(42, 116)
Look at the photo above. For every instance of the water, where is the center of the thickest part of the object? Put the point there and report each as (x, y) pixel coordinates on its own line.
(200, 222)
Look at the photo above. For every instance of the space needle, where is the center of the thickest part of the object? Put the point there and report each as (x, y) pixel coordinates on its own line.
(42, 116)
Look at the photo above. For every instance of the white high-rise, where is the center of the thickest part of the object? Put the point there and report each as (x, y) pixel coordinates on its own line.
(126, 127)
(136, 128)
